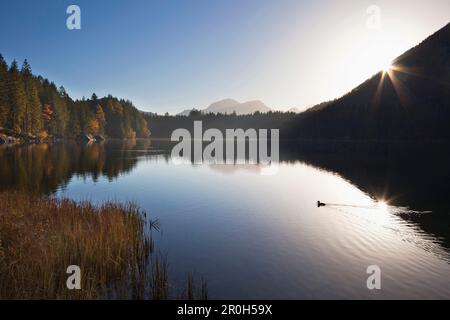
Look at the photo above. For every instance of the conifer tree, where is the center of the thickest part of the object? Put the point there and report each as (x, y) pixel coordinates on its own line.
(17, 99)
(4, 103)
(33, 114)
(59, 123)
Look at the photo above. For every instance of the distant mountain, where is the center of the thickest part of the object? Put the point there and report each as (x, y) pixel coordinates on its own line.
(222, 106)
(251, 107)
(294, 110)
(230, 106)
(410, 101)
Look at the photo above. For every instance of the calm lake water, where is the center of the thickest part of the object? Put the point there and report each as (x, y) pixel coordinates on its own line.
(262, 236)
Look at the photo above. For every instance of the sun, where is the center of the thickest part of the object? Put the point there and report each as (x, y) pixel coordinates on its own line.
(382, 205)
(387, 67)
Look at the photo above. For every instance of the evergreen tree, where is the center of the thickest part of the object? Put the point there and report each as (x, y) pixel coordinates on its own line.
(63, 93)
(4, 101)
(33, 114)
(60, 113)
(17, 99)
(74, 126)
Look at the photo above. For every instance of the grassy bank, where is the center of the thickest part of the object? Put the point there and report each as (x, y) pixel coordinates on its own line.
(40, 237)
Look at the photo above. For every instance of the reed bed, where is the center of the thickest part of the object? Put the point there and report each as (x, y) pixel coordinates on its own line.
(111, 243)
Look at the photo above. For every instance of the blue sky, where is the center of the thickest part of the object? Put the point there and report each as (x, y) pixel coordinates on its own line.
(171, 55)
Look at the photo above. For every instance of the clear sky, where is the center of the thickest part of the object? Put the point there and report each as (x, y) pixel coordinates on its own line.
(171, 55)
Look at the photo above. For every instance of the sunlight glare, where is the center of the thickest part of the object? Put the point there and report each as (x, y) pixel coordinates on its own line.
(382, 205)
(387, 67)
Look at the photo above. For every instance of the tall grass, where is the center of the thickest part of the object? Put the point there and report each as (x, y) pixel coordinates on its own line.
(41, 236)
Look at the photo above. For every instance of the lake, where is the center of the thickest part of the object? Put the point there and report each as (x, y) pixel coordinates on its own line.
(255, 236)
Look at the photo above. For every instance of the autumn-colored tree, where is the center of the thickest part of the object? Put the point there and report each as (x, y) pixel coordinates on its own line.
(93, 127)
(101, 119)
(47, 115)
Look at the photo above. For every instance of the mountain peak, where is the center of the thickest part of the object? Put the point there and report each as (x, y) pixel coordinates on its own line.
(229, 106)
(223, 104)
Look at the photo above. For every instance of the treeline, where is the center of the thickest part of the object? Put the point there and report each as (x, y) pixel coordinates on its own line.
(164, 125)
(33, 107)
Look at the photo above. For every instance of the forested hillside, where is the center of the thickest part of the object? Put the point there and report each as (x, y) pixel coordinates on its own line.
(411, 100)
(32, 107)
